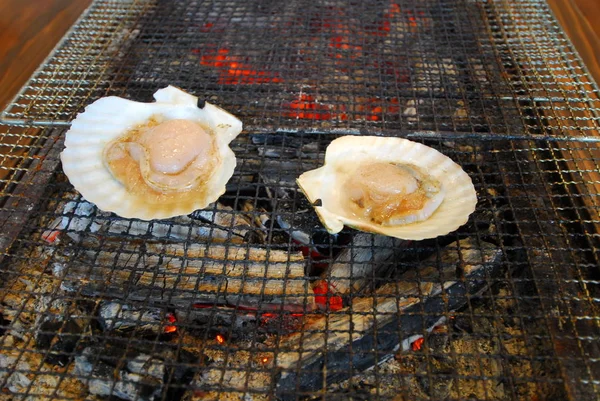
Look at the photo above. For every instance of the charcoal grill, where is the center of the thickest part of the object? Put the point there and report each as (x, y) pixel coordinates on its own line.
(251, 299)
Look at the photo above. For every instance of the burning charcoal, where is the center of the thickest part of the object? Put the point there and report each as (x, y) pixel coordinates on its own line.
(225, 224)
(146, 365)
(124, 317)
(76, 217)
(212, 273)
(364, 260)
(140, 379)
(233, 378)
(277, 152)
(465, 257)
(133, 374)
(216, 222)
(438, 338)
(60, 339)
(241, 322)
(218, 319)
(396, 314)
(19, 330)
(175, 228)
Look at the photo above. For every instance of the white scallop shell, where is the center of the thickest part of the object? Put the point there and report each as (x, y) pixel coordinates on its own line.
(345, 153)
(108, 118)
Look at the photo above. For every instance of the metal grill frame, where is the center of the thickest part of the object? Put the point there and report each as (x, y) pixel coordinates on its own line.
(542, 170)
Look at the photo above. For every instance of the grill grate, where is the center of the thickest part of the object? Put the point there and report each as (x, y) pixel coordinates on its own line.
(251, 298)
(488, 68)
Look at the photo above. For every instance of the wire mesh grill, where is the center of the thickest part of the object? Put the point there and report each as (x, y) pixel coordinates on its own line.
(251, 298)
(93, 302)
(491, 68)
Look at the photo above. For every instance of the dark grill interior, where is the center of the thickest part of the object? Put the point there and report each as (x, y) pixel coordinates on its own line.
(251, 299)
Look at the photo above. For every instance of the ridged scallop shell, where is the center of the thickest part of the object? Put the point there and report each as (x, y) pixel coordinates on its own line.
(344, 153)
(111, 117)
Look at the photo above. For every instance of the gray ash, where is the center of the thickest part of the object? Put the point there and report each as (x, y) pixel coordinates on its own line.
(134, 375)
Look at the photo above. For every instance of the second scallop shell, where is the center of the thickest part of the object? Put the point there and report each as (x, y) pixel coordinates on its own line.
(390, 186)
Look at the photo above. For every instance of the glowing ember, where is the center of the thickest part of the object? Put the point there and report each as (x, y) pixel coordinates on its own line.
(385, 27)
(220, 339)
(313, 252)
(265, 360)
(418, 344)
(207, 27)
(306, 107)
(343, 42)
(50, 236)
(267, 316)
(233, 70)
(326, 299)
(171, 318)
(170, 328)
(412, 21)
(199, 305)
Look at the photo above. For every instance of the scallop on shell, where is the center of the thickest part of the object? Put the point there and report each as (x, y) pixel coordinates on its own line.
(151, 160)
(390, 186)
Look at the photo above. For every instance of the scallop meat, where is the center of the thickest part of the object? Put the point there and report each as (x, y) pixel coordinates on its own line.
(390, 186)
(151, 160)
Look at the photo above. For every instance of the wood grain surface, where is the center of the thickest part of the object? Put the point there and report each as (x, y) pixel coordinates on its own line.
(579, 19)
(29, 30)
